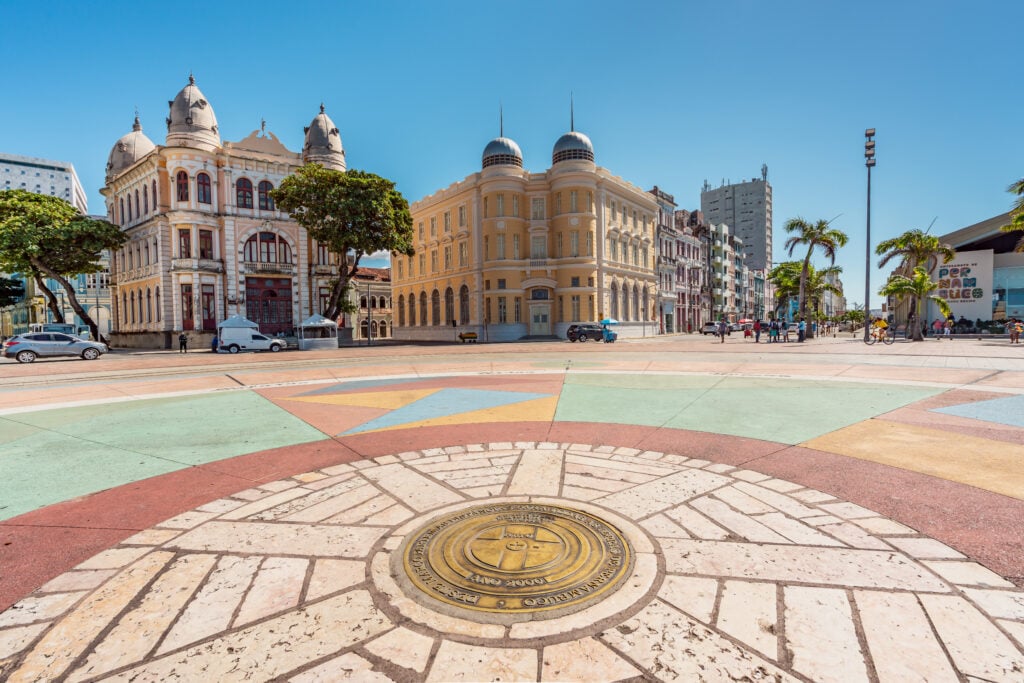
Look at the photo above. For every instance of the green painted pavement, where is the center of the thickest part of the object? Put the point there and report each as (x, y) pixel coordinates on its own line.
(781, 410)
(53, 455)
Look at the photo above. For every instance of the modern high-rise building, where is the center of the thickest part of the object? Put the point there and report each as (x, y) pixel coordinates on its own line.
(43, 176)
(508, 253)
(746, 207)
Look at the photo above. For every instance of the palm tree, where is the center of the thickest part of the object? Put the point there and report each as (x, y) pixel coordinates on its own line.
(1016, 213)
(919, 286)
(786, 278)
(819, 284)
(914, 248)
(817, 235)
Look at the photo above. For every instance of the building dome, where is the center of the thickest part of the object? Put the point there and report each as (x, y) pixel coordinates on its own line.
(502, 152)
(572, 145)
(323, 143)
(129, 149)
(191, 121)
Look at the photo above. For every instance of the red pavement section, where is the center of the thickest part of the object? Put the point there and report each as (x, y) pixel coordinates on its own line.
(40, 545)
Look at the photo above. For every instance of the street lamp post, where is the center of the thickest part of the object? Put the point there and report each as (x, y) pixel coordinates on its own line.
(869, 162)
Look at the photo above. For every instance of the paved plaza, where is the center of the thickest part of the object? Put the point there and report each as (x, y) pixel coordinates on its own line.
(659, 509)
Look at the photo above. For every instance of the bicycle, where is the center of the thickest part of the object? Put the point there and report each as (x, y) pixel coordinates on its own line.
(886, 335)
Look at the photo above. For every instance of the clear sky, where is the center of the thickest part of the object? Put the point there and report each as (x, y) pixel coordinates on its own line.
(670, 93)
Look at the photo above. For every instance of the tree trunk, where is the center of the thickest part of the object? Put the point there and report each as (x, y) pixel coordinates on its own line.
(94, 329)
(802, 305)
(914, 320)
(51, 298)
(345, 274)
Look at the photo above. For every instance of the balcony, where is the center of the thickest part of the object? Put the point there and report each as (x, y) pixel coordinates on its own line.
(538, 263)
(320, 269)
(206, 265)
(254, 267)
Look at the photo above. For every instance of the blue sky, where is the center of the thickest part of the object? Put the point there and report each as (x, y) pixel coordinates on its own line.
(671, 93)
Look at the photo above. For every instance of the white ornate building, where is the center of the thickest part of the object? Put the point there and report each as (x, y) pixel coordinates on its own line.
(205, 239)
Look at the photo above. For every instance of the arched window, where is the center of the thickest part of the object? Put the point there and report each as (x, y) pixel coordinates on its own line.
(204, 195)
(266, 201)
(636, 304)
(154, 196)
(624, 295)
(123, 221)
(149, 306)
(157, 298)
(412, 310)
(267, 247)
(243, 192)
(464, 305)
(449, 305)
(364, 329)
(382, 331)
(129, 207)
(145, 253)
(435, 308)
(182, 186)
(138, 207)
(124, 308)
(423, 309)
(615, 300)
(373, 329)
(647, 303)
(362, 302)
(401, 310)
(132, 309)
(145, 199)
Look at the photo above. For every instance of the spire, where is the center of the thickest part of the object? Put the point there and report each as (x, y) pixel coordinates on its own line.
(321, 107)
(191, 79)
(136, 125)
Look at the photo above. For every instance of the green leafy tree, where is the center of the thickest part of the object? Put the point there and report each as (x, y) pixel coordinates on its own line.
(352, 213)
(817, 235)
(46, 237)
(914, 248)
(788, 275)
(11, 291)
(918, 287)
(785, 277)
(1016, 213)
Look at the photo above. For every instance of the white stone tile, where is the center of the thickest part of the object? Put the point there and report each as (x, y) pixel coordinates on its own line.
(151, 537)
(496, 480)
(748, 613)
(828, 566)
(524, 445)
(591, 482)
(484, 491)
(999, 604)
(741, 501)
(386, 459)
(591, 470)
(883, 527)
(819, 520)
(661, 494)
(548, 446)
(737, 522)
(697, 524)
(296, 638)
(276, 587)
(396, 514)
(660, 525)
(1015, 629)
(348, 667)
(461, 662)
(966, 573)
(115, 558)
(331, 576)
(820, 635)
(14, 640)
(315, 506)
(623, 450)
(925, 548)
(720, 468)
(358, 513)
(268, 538)
(500, 446)
(465, 472)
(279, 485)
(693, 595)
(454, 450)
(538, 473)
(581, 493)
(977, 647)
(853, 535)
(650, 455)
(900, 639)
(265, 503)
(673, 459)
(749, 475)
(780, 501)
(309, 477)
(403, 647)
(211, 610)
(697, 462)
(812, 496)
(847, 510)
(794, 530)
(329, 481)
(136, 633)
(671, 646)
(221, 506)
(582, 660)
(780, 485)
(413, 489)
(338, 469)
(77, 580)
(38, 608)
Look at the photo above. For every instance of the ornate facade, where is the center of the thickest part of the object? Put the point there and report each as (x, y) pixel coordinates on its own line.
(509, 254)
(205, 240)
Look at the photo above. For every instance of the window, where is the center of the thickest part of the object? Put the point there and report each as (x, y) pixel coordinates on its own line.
(501, 283)
(187, 310)
(518, 310)
(574, 282)
(573, 208)
(324, 297)
(204, 195)
(463, 254)
(574, 244)
(515, 205)
(501, 205)
(449, 305)
(464, 305)
(401, 268)
(421, 231)
(433, 260)
(423, 264)
(129, 207)
(485, 207)
(149, 305)
(462, 216)
(412, 310)
(401, 310)
(206, 244)
(423, 309)
(123, 219)
(209, 308)
(145, 253)
(515, 247)
(243, 193)
(537, 209)
(433, 227)
(157, 298)
(138, 206)
(558, 203)
(267, 247)
(501, 247)
(435, 308)
(502, 310)
(538, 247)
(590, 244)
(447, 221)
(132, 308)
(185, 243)
(323, 255)
(182, 186)
(154, 209)
(558, 245)
(266, 201)
(145, 199)
(448, 257)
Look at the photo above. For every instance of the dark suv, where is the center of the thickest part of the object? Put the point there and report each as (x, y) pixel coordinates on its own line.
(584, 331)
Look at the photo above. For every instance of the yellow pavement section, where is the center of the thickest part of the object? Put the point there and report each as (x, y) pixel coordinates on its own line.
(987, 464)
(389, 400)
(536, 410)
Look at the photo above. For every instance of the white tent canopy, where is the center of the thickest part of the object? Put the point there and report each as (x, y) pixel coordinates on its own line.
(318, 332)
(238, 322)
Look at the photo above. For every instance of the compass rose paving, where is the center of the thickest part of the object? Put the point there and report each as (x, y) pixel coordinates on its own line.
(702, 571)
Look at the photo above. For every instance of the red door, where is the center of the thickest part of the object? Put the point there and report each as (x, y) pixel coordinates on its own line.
(268, 303)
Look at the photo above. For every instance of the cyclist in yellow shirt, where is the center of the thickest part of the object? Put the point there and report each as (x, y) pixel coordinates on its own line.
(879, 328)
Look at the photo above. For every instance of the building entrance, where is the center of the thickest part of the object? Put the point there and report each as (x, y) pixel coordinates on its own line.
(540, 320)
(268, 303)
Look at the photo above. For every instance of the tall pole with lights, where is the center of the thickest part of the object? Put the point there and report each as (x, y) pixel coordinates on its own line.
(869, 162)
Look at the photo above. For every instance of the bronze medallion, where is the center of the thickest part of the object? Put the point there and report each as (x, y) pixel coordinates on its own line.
(517, 557)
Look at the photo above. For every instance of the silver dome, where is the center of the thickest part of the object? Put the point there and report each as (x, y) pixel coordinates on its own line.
(128, 149)
(572, 145)
(191, 121)
(502, 152)
(323, 143)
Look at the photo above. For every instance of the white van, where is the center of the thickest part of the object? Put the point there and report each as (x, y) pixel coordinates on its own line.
(235, 339)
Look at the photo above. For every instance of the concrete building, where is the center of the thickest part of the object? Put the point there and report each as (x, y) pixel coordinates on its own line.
(667, 262)
(693, 289)
(205, 240)
(509, 254)
(731, 281)
(747, 208)
(43, 176)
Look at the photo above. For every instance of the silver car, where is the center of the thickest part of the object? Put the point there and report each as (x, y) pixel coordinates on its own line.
(25, 348)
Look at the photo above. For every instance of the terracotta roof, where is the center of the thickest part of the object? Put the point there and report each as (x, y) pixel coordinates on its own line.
(374, 274)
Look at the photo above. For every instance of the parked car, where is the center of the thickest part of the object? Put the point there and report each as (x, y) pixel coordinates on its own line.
(712, 328)
(235, 339)
(25, 348)
(584, 331)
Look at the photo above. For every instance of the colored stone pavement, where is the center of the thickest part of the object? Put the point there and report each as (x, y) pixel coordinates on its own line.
(811, 470)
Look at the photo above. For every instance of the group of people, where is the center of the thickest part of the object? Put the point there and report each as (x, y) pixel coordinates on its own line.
(777, 329)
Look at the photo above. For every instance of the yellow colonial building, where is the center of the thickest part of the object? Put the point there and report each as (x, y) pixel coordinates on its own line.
(205, 240)
(511, 254)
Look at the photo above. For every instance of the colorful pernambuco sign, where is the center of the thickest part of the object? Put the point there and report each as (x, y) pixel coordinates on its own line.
(966, 285)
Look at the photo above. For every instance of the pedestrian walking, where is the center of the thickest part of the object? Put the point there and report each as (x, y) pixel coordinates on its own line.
(723, 329)
(784, 330)
(757, 331)
(801, 330)
(937, 328)
(214, 344)
(182, 343)
(947, 329)
(773, 331)
(1016, 327)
